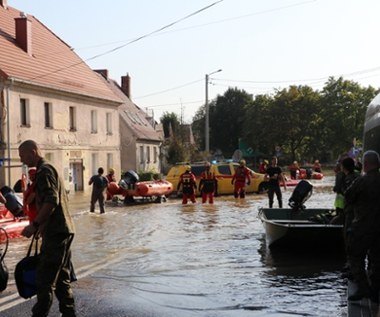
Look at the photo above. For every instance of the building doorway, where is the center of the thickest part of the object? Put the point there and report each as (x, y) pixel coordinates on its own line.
(76, 174)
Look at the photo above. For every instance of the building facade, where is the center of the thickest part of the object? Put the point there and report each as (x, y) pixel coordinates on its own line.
(48, 94)
(140, 141)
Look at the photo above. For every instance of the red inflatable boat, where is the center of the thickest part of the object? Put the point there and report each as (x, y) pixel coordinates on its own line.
(142, 189)
(314, 175)
(13, 226)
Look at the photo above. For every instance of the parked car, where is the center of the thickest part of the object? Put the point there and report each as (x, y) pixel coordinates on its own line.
(224, 172)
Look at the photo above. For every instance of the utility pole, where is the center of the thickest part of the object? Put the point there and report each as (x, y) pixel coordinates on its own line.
(207, 119)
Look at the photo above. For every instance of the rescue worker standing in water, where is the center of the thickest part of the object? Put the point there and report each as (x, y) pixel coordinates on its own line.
(274, 176)
(189, 186)
(242, 174)
(208, 184)
(111, 178)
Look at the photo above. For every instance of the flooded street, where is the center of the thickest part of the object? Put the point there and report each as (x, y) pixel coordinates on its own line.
(201, 260)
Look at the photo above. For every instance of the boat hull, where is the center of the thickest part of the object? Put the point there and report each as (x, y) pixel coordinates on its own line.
(13, 226)
(143, 189)
(314, 175)
(288, 228)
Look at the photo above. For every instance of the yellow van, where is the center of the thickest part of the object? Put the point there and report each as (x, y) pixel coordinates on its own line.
(224, 172)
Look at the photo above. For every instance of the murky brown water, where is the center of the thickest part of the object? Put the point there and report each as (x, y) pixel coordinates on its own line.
(202, 260)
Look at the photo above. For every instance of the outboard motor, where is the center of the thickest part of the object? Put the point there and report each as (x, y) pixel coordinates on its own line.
(14, 203)
(301, 193)
(309, 172)
(129, 179)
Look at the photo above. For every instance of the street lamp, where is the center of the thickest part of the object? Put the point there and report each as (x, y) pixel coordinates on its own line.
(207, 124)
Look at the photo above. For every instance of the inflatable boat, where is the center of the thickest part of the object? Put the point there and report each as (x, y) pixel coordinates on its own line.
(309, 174)
(13, 226)
(153, 189)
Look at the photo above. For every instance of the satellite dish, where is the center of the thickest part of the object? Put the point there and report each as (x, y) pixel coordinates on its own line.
(237, 156)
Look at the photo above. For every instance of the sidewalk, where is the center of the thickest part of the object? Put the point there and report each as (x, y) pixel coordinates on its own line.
(95, 298)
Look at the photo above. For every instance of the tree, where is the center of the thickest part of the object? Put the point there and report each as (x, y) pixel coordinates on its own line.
(170, 123)
(227, 116)
(198, 126)
(295, 116)
(304, 123)
(344, 104)
(175, 152)
(257, 124)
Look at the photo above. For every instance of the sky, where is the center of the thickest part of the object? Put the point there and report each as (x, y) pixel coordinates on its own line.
(168, 46)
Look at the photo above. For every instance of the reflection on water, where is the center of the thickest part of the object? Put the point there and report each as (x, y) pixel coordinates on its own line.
(205, 260)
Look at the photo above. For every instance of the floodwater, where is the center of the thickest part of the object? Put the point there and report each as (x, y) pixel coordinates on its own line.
(202, 260)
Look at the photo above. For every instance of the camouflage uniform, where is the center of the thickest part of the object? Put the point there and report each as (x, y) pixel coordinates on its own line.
(364, 233)
(53, 271)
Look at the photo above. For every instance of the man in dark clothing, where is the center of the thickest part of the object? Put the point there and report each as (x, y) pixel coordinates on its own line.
(364, 233)
(348, 168)
(54, 224)
(274, 176)
(100, 184)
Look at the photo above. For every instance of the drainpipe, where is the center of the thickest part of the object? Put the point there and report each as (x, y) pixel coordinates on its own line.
(8, 139)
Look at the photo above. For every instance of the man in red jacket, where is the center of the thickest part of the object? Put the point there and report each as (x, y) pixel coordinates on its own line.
(242, 174)
(189, 186)
(208, 184)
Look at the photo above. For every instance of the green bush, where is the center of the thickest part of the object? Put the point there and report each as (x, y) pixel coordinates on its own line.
(149, 176)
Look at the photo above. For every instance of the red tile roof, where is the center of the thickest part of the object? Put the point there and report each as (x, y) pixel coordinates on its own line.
(133, 116)
(52, 63)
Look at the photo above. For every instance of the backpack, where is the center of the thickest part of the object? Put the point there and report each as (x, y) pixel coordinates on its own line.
(3, 268)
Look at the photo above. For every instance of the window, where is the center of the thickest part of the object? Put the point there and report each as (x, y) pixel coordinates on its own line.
(155, 154)
(73, 119)
(94, 121)
(109, 123)
(48, 115)
(197, 169)
(24, 112)
(141, 154)
(109, 161)
(148, 154)
(224, 169)
(49, 157)
(94, 163)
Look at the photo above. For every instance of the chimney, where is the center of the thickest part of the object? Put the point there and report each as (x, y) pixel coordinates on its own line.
(4, 4)
(103, 72)
(24, 33)
(126, 85)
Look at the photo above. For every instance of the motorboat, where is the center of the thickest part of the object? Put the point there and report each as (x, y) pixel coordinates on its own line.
(305, 228)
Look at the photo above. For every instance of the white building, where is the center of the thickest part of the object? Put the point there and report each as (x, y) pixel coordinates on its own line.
(48, 94)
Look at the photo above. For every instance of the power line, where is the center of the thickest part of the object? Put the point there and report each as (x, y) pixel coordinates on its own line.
(169, 89)
(175, 104)
(132, 41)
(318, 80)
(311, 80)
(212, 22)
